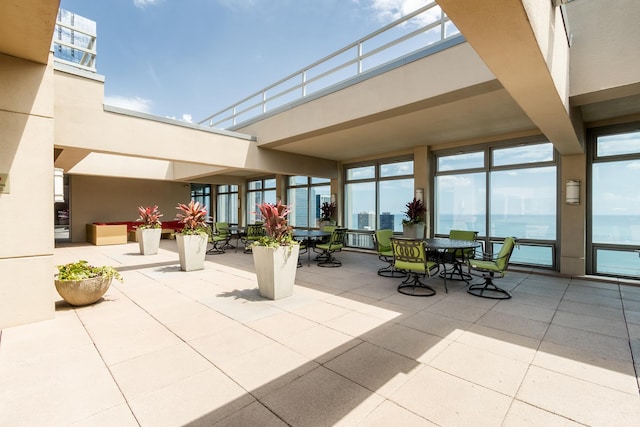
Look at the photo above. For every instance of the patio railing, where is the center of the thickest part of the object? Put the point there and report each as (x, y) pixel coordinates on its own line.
(413, 33)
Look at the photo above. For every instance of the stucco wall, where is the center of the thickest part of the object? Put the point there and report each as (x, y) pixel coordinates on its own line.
(100, 199)
(26, 154)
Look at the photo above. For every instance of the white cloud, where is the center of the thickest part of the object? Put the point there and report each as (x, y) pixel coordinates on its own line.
(136, 103)
(391, 10)
(143, 3)
(187, 118)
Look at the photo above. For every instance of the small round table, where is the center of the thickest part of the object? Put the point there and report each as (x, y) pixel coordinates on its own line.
(446, 250)
(309, 236)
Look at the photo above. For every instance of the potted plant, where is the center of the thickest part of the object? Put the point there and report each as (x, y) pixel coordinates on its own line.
(413, 226)
(192, 239)
(80, 283)
(275, 255)
(149, 232)
(327, 209)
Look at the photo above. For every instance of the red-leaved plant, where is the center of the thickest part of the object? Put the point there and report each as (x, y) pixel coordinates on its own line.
(327, 209)
(277, 230)
(416, 211)
(150, 217)
(193, 216)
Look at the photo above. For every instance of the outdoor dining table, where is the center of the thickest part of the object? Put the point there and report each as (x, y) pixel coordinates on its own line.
(445, 250)
(309, 237)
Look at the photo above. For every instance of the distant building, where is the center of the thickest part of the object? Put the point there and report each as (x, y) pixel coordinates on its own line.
(386, 220)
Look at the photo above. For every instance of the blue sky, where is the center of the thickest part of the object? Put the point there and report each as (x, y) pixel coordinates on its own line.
(190, 58)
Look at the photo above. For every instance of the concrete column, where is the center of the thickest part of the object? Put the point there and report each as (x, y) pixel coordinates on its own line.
(572, 222)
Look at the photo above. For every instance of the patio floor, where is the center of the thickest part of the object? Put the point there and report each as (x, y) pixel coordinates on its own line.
(173, 348)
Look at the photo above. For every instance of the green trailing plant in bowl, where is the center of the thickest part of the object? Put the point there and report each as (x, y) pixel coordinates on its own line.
(81, 270)
(150, 217)
(277, 230)
(193, 216)
(415, 212)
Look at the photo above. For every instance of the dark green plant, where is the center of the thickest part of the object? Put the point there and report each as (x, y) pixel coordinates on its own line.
(150, 217)
(193, 217)
(83, 270)
(415, 212)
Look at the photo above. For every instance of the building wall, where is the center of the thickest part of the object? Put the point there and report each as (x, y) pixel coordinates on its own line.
(26, 211)
(100, 199)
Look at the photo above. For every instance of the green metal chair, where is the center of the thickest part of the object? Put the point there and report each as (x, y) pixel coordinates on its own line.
(459, 257)
(222, 229)
(382, 241)
(217, 242)
(490, 268)
(409, 255)
(335, 244)
(254, 233)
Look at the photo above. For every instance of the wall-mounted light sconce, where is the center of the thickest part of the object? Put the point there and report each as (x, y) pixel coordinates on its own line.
(572, 196)
(58, 185)
(419, 194)
(333, 198)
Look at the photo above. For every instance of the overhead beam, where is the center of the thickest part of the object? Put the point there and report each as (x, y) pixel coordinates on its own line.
(502, 33)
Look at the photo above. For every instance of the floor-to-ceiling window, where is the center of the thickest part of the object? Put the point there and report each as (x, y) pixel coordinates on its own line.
(375, 196)
(614, 222)
(500, 191)
(202, 193)
(227, 204)
(305, 195)
(258, 191)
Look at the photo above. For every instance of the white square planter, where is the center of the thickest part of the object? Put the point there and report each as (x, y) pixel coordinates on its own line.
(149, 240)
(192, 250)
(276, 270)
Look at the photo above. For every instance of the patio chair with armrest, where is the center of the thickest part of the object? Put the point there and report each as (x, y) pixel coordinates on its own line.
(218, 241)
(254, 233)
(490, 268)
(459, 257)
(382, 241)
(410, 255)
(335, 244)
(222, 229)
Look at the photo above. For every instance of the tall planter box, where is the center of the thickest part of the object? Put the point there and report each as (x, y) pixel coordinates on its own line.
(413, 231)
(192, 250)
(148, 240)
(276, 270)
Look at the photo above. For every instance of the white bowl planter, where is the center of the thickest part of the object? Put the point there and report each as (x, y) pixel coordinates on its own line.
(192, 250)
(276, 270)
(85, 291)
(149, 240)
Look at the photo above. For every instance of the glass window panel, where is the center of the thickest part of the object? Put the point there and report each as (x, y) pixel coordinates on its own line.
(394, 195)
(223, 188)
(298, 198)
(365, 172)
(529, 254)
(616, 202)
(270, 196)
(460, 203)
(461, 161)
(523, 203)
(298, 180)
(233, 188)
(320, 180)
(619, 263)
(232, 215)
(254, 185)
(319, 195)
(360, 208)
(222, 208)
(522, 155)
(253, 199)
(270, 183)
(396, 169)
(612, 145)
